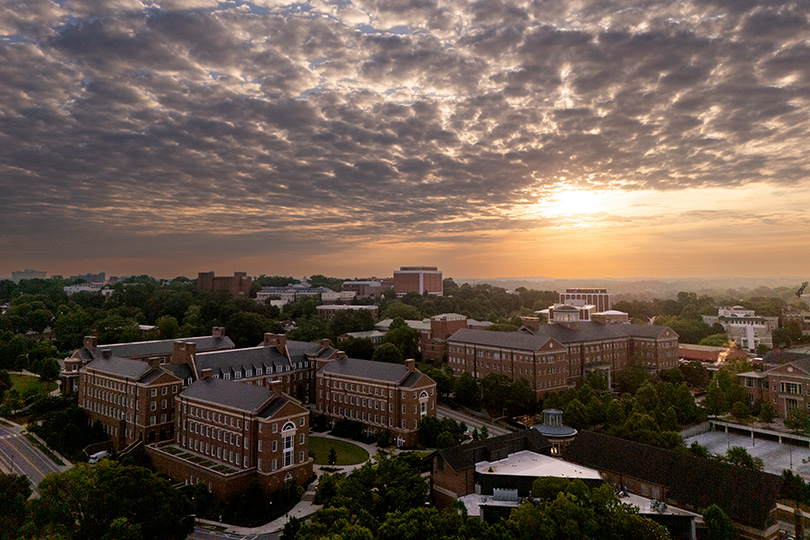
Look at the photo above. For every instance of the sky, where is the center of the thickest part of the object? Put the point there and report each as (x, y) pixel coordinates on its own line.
(348, 138)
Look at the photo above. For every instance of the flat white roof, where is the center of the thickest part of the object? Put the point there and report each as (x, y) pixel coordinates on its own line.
(528, 463)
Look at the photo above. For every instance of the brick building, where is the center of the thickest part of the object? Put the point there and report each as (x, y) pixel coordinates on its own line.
(229, 434)
(131, 399)
(433, 342)
(599, 298)
(365, 289)
(238, 285)
(291, 362)
(418, 279)
(785, 386)
(556, 356)
(146, 351)
(745, 327)
(382, 396)
(328, 312)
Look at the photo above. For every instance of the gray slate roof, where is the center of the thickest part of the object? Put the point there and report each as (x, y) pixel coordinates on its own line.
(123, 367)
(368, 369)
(531, 339)
(268, 358)
(162, 347)
(512, 340)
(244, 397)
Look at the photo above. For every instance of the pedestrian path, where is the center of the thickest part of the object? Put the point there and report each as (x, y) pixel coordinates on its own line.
(306, 506)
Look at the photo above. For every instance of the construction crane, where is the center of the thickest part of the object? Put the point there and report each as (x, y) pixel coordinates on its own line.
(801, 289)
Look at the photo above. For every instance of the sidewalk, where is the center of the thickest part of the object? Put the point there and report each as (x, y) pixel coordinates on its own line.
(305, 507)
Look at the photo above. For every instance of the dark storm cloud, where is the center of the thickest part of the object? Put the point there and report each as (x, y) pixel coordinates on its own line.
(157, 122)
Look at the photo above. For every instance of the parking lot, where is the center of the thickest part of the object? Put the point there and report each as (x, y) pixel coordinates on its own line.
(776, 457)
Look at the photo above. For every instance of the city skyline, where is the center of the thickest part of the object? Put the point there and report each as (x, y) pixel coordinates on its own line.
(567, 139)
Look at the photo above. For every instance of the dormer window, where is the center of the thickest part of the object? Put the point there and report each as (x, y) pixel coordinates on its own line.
(258, 371)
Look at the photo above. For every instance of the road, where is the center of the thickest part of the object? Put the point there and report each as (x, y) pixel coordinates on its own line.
(204, 534)
(20, 456)
(471, 421)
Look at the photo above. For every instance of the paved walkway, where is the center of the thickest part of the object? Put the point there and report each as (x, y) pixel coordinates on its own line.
(305, 507)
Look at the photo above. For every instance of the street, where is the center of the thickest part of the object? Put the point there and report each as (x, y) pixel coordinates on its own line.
(20, 456)
(205, 534)
(471, 421)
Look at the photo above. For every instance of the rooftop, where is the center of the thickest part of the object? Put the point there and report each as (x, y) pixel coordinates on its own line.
(528, 463)
(244, 397)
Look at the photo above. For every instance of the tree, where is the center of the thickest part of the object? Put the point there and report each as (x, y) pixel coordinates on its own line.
(767, 413)
(797, 419)
(361, 348)
(14, 492)
(719, 524)
(388, 352)
(576, 414)
(737, 455)
(247, 329)
(84, 503)
(406, 339)
(332, 455)
(351, 320)
(715, 340)
(168, 327)
(396, 308)
(740, 411)
(467, 391)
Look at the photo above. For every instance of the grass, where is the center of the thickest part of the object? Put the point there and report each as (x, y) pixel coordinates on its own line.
(27, 385)
(347, 453)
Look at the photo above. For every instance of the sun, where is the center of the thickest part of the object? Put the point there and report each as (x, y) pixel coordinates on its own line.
(572, 202)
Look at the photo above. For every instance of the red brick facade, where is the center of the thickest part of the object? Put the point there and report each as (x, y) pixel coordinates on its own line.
(555, 363)
(383, 397)
(418, 279)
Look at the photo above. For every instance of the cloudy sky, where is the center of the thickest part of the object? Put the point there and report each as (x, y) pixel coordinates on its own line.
(490, 138)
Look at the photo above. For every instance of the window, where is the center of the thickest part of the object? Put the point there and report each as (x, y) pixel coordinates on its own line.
(302, 438)
(275, 464)
(154, 392)
(153, 406)
(163, 404)
(288, 443)
(165, 390)
(275, 446)
(791, 388)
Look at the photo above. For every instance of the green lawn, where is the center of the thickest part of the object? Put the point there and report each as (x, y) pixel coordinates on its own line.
(27, 385)
(347, 453)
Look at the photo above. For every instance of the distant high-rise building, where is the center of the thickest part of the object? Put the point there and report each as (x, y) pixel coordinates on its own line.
(599, 298)
(418, 279)
(19, 275)
(101, 277)
(238, 284)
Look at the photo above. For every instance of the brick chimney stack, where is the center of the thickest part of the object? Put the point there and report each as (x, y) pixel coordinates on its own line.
(206, 374)
(270, 339)
(90, 343)
(410, 363)
(218, 332)
(276, 387)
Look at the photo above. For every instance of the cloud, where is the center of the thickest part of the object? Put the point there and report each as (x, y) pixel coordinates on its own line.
(380, 119)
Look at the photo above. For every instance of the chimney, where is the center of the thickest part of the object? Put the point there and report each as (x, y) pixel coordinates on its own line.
(181, 354)
(154, 362)
(325, 343)
(90, 343)
(410, 363)
(532, 322)
(205, 374)
(270, 339)
(275, 387)
(281, 341)
(218, 332)
(106, 353)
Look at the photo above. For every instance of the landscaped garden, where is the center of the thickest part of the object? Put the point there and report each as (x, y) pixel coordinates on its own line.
(345, 453)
